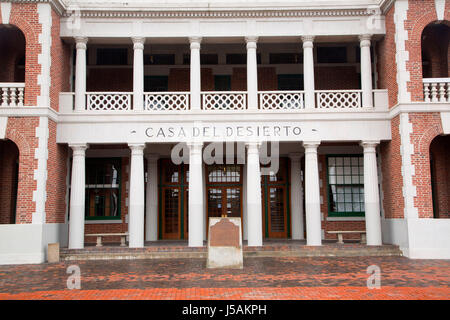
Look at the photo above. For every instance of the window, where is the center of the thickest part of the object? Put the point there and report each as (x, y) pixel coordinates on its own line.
(238, 58)
(112, 56)
(205, 58)
(331, 54)
(345, 186)
(285, 58)
(159, 59)
(102, 189)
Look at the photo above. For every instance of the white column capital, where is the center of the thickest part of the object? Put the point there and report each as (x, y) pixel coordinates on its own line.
(137, 148)
(365, 40)
(370, 145)
(152, 157)
(195, 42)
(138, 42)
(195, 146)
(311, 146)
(81, 42)
(308, 41)
(78, 148)
(295, 156)
(253, 146)
(251, 42)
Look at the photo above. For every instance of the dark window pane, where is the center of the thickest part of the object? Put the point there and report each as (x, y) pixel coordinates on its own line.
(290, 82)
(331, 54)
(285, 58)
(159, 59)
(112, 56)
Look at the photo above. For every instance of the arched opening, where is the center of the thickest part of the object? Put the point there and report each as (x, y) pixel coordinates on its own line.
(435, 43)
(9, 178)
(12, 54)
(440, 176)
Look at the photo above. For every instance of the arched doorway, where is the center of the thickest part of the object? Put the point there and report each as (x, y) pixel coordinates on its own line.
(9, 178)
(12, 54)
(435, 43)
(440, 176)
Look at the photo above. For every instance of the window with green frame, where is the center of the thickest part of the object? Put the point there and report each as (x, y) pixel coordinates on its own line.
(103, 185)
(345, 185)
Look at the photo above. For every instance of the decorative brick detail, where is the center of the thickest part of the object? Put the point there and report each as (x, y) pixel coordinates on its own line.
(426, 126)
(391, 164)
(22, 131)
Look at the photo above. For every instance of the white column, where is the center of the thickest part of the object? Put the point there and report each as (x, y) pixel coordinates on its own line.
(80, 74)
(252, 73)
(244, 203)
(312, 195)
(77, 196)
(136, 196)
(308, 71)
(138, 73)
(254, 207)
(196, 216)
(205, 204)
(195, 73)
(151, 212)
(296, 197)
(371, 194)
(366, 71)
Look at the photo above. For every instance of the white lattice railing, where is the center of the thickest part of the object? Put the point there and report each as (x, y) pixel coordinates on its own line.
(12, 94)
(281, 100)
(224, 100)
(108, 101)
(436, 89)
(338, 99)
(166, 101)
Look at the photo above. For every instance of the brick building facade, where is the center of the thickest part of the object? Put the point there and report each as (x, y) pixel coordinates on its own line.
(92, 101)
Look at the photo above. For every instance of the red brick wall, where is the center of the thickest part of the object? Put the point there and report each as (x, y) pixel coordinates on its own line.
(110, 79)
(22, 132)
(386, 63)
(9, 154)
(55, 206)
(426, 126)
(60, 66)
(334, 225)
(113, 227)
(440, 151)
(336, 78)
(25, 17)
(420, 14)
(391, 168)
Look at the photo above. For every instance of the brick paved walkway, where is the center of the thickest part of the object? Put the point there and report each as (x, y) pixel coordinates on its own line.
(261, 278)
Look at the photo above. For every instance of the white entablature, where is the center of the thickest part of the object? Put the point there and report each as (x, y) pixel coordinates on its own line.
(172, 19)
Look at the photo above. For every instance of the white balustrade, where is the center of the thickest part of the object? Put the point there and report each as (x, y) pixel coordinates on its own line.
(436, 89)
(224, 100)
(281, 100)
(108, 101)
(12, 94)
(166, 101)
(338, 99)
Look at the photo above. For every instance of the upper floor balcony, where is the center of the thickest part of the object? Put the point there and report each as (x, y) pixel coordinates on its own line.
(245, 75)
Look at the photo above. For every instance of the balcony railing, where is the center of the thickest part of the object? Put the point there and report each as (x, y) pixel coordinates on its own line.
(436, 89)
(339, 99)
(211, 101)
(224, 100)
(166, 101)
(12, 94)
(281, 100)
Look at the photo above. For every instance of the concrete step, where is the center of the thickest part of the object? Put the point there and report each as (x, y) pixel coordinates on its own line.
(184, 252)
